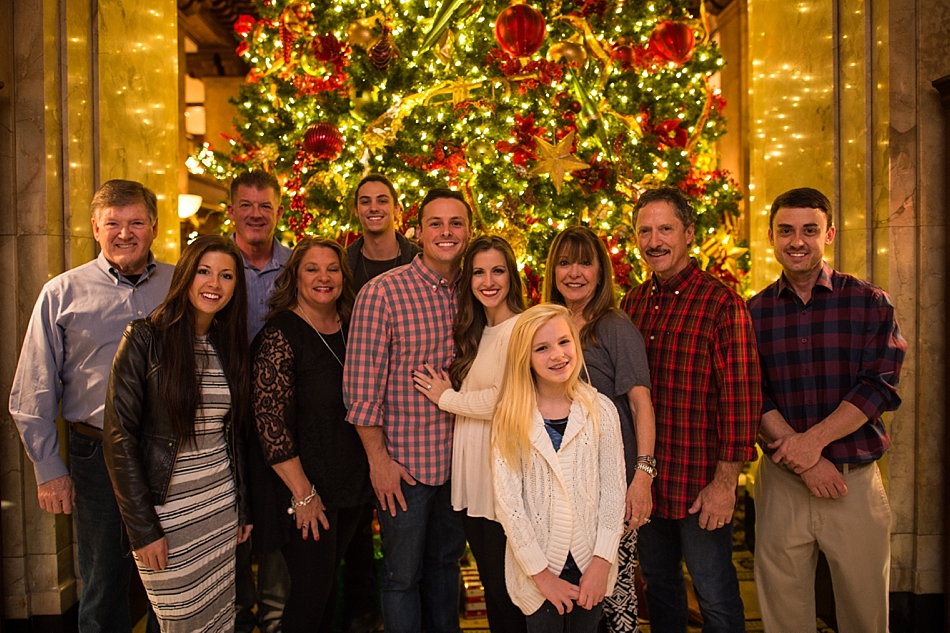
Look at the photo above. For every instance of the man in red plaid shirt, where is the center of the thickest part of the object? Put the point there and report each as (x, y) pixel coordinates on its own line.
(831, 355)
(403, 321)
(707, 397)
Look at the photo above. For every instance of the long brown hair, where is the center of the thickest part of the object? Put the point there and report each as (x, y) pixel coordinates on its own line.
(578, 244)
(174, 322)
(284, 296)
(470, 320)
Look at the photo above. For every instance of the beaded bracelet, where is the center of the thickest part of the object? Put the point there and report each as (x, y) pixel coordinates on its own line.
(294, 504)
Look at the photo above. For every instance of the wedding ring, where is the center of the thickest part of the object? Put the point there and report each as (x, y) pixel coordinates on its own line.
(428, 386)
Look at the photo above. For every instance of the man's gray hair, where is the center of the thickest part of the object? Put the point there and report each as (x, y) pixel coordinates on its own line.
(123, 193)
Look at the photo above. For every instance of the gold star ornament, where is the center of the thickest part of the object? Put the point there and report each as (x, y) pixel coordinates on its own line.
(557, 160)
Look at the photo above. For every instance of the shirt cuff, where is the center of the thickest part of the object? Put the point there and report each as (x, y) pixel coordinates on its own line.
(607, 544)
(49, 469)
(737, 453)
(867, 400)
(365, 414)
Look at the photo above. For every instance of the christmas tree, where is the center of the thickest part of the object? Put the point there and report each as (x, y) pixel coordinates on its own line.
(544, 115)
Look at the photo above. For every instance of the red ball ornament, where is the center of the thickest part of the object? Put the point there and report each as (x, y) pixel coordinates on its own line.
(673, 41)
(324, 141)
(622, 55)
(519, 30)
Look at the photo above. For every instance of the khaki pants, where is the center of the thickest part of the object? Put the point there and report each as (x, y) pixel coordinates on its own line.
(853, 532)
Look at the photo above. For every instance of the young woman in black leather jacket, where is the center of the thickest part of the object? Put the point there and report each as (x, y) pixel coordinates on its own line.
(178, 389)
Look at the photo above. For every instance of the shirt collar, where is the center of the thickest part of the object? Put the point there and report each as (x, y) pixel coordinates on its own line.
(823, 281)
(279, 256)
(106, 267)
(429, 277)
(680, 280)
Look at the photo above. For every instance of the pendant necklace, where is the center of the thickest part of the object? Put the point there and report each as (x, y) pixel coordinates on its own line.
(307, 319)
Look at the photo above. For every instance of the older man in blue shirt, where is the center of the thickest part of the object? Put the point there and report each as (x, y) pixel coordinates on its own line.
(75, 329)
(254, 211)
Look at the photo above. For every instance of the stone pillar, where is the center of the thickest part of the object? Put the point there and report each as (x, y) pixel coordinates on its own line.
(90, 93)
(943, 87)
(914, 226)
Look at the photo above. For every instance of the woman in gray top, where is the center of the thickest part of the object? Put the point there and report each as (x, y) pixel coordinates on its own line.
(579, 276)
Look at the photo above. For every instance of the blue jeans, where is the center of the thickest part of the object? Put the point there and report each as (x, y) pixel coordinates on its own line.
(547, 620)
(663, 544)
(421, 552)
(579, 620)
(105, 563)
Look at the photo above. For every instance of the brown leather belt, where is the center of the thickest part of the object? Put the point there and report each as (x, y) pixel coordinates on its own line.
(88, 430)
(844, 469)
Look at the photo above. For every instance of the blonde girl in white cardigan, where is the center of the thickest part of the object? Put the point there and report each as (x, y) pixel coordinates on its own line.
(558, 475)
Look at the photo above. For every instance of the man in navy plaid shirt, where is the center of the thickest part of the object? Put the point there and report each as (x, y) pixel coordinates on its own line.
(403, 321)
(831, 355)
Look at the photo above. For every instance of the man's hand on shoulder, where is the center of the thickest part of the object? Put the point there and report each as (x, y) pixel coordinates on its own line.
(387, 475)
(57, 495)
(824, 480)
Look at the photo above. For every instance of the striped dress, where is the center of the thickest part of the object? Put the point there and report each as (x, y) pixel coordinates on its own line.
(195, 591)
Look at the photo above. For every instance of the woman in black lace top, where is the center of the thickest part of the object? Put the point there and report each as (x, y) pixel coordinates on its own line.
(301, 422)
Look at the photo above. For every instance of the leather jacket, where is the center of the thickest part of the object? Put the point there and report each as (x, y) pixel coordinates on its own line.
(140, 443)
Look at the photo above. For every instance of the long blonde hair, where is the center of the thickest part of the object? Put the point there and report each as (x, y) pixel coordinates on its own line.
(518, 399)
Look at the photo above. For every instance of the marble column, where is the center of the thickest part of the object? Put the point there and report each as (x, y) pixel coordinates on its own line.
(91, 93)
(914, 225)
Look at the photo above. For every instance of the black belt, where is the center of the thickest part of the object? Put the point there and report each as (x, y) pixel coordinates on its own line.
(88, 430)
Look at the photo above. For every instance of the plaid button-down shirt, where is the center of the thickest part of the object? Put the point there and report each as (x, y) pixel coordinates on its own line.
(843, 345)
(402, 320)
(706, 384)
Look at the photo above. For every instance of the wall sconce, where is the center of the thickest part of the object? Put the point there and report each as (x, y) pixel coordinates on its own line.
(188, 205)
(195, 120)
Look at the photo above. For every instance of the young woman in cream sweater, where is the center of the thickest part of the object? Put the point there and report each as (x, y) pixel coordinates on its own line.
(558, 475)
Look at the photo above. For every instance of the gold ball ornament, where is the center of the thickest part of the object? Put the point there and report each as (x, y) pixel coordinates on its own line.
(359, 99)
(570, 53)
(359, 34)
(480, 151)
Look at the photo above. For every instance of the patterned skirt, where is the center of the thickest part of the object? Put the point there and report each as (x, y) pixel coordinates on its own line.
(620, 609)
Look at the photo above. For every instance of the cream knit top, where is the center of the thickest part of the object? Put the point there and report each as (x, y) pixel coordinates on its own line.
(472, 406)
(560, 502)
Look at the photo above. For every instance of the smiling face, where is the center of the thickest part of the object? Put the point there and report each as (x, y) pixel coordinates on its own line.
(443, 236)
(212, 287)
(799, 237)
(319, 279)
(490, 279)
(553, 355)
(375, 208)
(254, 213)
(577, 281)
(125, 235)
(663, 240)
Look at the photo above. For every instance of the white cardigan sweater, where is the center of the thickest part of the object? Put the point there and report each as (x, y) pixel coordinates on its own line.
(560, 502)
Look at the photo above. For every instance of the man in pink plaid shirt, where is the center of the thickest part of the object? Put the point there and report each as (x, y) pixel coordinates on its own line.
(402, 321)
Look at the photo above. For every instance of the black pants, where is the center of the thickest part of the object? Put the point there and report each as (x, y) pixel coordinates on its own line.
(360, 593)
(313, 567)
(487, 540)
